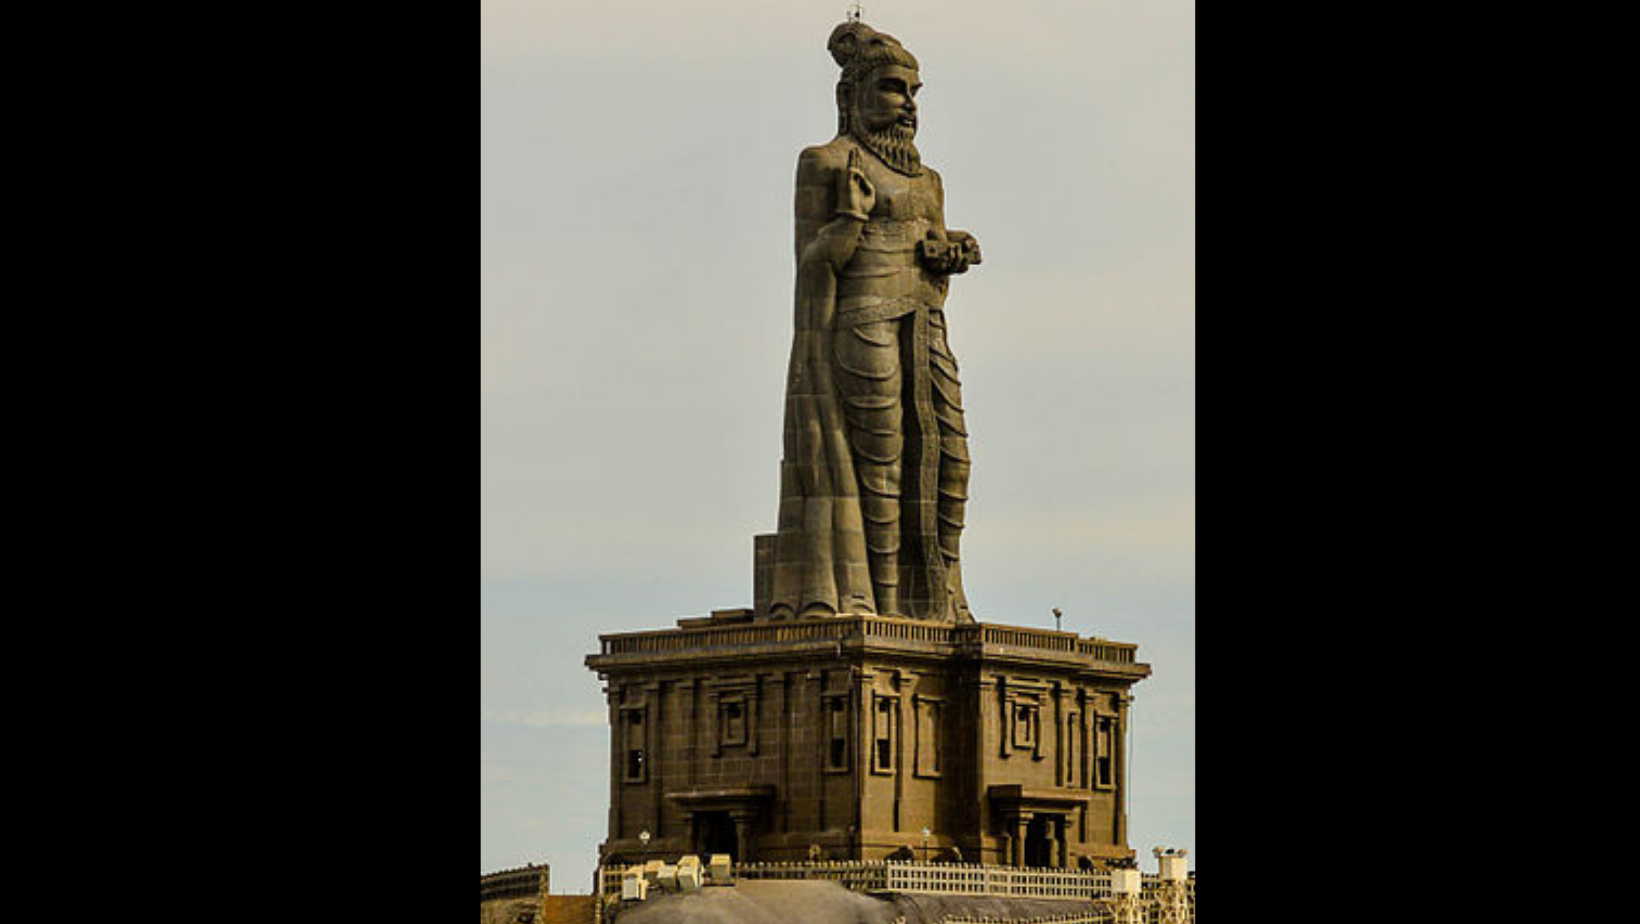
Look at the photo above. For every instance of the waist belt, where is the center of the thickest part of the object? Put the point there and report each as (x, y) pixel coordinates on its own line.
(852, 312)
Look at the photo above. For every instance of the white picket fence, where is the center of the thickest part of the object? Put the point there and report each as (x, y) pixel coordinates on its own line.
(965, 879)
(952, 878)
(977, 879)
(1097, 916)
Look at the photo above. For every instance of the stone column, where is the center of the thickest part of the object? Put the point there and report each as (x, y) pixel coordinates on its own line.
(820, 722)
(1021, 823)
(1062, 737)
(864, 681)
(1118, 760)
(617, 760)
(900, 684)
(653, 747)
(745, 830)
(691, 731)
(780, 684)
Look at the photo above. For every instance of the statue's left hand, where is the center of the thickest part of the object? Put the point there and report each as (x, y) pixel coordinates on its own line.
(969, 245)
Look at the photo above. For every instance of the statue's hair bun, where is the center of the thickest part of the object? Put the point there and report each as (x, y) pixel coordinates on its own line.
(846, 41)
(856, 45)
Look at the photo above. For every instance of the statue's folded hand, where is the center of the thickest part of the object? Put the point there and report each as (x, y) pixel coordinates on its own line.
(970, 255)
(950, 255)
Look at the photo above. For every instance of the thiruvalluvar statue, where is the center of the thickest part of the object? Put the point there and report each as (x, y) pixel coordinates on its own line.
(874, 478)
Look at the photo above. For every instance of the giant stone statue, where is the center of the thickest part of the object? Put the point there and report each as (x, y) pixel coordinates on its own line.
(845, 753)
(875, 473)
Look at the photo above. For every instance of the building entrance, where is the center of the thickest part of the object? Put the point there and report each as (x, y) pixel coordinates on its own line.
(715, 833)
(1044, 841)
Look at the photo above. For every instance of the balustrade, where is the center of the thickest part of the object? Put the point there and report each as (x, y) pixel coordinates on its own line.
(827, 630)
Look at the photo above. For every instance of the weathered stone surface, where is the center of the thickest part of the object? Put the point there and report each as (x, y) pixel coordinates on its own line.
(778, 902)
(858, 701)
(566, 909)
(513, 895)
(763, 903)
(933, 909)
(842, 738)
(874, 479)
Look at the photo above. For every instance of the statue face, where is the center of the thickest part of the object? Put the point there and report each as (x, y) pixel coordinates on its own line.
(888, 100)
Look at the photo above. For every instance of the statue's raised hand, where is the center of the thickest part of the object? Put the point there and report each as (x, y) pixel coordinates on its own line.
(855, 194)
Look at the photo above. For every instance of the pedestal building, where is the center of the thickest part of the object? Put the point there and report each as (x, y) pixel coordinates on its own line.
(765, 738)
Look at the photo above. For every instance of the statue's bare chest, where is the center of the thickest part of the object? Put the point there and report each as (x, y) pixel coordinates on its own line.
(903, 198)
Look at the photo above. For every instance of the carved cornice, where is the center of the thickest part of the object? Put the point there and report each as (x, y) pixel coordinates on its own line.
(851, 638)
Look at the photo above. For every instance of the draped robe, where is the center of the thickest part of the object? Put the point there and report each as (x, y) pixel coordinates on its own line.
(861, 291)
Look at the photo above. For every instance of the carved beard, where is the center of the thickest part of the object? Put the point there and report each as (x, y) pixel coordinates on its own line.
(893, 143)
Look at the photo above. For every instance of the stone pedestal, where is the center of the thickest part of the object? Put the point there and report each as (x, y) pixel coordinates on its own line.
(773, 740)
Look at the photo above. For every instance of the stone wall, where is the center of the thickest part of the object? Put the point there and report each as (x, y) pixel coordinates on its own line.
(847, 737)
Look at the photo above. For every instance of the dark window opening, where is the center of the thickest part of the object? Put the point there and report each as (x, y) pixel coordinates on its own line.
(636, 741)
(1105, 762)
(734, 723)
(1025, 719)
(838, 732)
(883, 736)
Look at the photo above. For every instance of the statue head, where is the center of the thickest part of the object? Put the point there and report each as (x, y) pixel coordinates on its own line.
(876, 93)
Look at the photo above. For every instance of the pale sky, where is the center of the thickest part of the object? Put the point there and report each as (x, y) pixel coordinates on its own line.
(636, 310)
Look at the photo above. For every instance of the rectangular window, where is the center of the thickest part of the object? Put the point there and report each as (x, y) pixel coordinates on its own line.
(836, 710)
(882, 735)
(636, 745)
(1025, 718)
(1072, 732)
(1104, 762)
(732, 721)
(928, 736)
